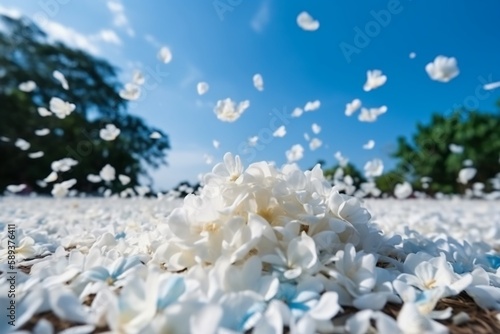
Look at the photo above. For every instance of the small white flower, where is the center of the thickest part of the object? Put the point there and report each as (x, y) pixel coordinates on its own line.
(142, 190)
(42, 132)
(315, 143)
(109, 133)
(374, 168)
(491, 85)
(61, 108)
(26, 249)
(295, 153)
(62, 80)
(371, 115)
(165, 55)
(43, 112)
(306, 22)
(15, 188)
(350, 108)
(94, 178)
(466, 174)
(36, 155)
(107, 173)
(297, 112)
(227, 110)
(27, 86)
(62, 189)
(155, 135)
(51, 177)
(316, 129)
(403, 190)
(63, 165)
(22, 144)
(138, 78)
(369, 145)
(442, 69)
(252, 141)
(300, 259)
(280, 132)
(202, 88)
(130, 92)
(429, 273)
(124, 179)
(341, 159)
(312, 105)
(456, 148)
(374, 79)
(258, 82)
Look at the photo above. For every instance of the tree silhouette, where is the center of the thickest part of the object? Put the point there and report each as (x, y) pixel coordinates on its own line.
(26, 54)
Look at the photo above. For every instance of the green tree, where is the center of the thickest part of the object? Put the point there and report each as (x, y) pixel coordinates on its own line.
(428, 153)
(27, 54)
(348, 169)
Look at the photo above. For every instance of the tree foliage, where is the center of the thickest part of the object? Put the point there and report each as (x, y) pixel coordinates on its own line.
(428, 153)
(26, 53)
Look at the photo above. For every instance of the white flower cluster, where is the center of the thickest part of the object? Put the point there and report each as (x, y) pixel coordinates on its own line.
(258, 250)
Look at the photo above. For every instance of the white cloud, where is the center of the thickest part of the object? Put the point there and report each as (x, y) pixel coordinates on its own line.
(120, 19)
(10, 12)
(67, 35)
(109, 36)
(261, 18)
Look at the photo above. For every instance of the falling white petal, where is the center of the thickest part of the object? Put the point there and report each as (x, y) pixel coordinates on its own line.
(369, 145)
(280, 132)
(315, 128)
(36, 155)
(258, 82)
(15, 188)
(228, 111)
(492, 85)
(27, 86)
(403, 190)
(297, 112)
(42, 132)
(306, 22)
(312, 105)
(350, 108)
(295, 153)
(109, 133)
(62, 80)
(374, 79)
(442, 69)
(165, 55)
(155, 135)
(202, 88)
(315, 143)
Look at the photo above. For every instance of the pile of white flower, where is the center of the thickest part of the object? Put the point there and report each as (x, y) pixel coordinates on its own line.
(264, 250)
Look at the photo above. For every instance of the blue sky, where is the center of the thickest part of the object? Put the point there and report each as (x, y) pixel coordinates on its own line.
(226, 48)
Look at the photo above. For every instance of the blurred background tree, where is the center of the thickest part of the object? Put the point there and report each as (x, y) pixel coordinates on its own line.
(428, 154)
(27, 54)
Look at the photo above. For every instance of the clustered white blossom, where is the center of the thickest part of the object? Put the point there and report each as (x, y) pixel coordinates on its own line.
(257, 250)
